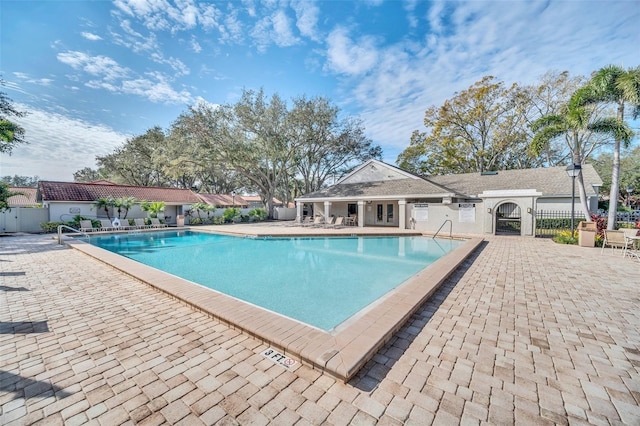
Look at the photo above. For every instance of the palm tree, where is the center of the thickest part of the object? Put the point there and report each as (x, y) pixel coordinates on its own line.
(153, 207)
(578, 125)
(614, 85)
(105, 204)
(124, 203)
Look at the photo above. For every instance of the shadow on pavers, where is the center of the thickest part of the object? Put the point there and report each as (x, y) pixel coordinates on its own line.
(24, 387)
(24, 327)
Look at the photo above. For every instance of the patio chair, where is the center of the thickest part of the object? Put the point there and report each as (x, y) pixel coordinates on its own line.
(329, 222)
(337, 223)
(106, 225)
(318, 221)
(615, 240)
(141, 224)
(87, 226)
(155, 223)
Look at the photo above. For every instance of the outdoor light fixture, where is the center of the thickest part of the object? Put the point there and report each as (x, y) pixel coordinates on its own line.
(233, 198)
(629, 191)
(528, 209)
(489, 210)
(573, 171)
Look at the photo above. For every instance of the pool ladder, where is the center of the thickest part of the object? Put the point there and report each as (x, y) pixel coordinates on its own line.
(442, 226)
(74, 230)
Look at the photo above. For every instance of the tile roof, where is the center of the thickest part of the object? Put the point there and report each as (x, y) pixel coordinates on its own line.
(27, 199)
(72, 191)
(549, 180)
(223, 200)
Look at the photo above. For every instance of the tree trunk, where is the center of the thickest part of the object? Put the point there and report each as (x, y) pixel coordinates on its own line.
(583, 198)
(615, 177)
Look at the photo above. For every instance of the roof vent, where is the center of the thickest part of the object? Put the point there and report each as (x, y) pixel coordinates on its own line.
(488, 173)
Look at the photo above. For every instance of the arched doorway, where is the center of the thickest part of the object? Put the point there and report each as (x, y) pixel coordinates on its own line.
(508, 219)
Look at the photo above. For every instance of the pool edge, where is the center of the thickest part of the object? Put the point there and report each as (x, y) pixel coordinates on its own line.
(340, 354)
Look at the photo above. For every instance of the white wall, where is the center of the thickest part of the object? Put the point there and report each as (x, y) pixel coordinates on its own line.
(23, 219)
(439, 213)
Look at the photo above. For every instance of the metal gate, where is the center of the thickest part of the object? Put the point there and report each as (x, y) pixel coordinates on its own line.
(508, 220)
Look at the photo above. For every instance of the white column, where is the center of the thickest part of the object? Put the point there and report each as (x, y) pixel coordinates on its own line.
(402, 214)
(299, 211)
(327, 209)
(361, 214)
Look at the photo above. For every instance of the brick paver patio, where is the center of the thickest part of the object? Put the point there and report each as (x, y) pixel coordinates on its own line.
(527, 332)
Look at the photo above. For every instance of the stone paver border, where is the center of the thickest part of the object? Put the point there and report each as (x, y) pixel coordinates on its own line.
(340, 353)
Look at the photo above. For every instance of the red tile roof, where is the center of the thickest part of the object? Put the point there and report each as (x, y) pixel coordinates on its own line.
(29, 197)
(222, 200)
(72, 191)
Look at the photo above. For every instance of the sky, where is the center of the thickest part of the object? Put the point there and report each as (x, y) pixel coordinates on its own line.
(92, 74)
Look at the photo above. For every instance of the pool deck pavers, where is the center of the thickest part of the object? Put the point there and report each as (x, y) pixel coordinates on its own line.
(525, 332)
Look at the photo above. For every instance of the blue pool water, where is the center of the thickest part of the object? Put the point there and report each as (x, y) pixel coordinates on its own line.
(321, 281)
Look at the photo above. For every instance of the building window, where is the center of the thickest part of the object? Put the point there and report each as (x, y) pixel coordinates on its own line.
(389, 212)
(352, 209)
(379, 212)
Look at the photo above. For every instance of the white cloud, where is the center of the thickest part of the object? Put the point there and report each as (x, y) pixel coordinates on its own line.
(102, 66)
(116, 79)
(58, 145)
(90, 36)
(39, 81)
(394, 85)
(344, 56)
(307, 18)
(195, 46)
(275, 28)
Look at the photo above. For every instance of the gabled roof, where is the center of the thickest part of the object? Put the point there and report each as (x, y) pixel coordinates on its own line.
(88, 192)
(398, 187)
(28, 198)
(550, 181)
(375, 179)
(374, 171)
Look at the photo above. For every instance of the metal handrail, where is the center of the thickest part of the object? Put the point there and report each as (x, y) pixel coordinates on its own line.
(75, 231)
(441, 226)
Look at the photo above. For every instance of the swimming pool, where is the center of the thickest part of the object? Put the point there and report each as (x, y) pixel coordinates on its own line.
(320, 281)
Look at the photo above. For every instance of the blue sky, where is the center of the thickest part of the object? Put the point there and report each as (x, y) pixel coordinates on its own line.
(93, 73)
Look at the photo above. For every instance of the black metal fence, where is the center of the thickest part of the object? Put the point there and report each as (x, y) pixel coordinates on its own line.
(551, 222)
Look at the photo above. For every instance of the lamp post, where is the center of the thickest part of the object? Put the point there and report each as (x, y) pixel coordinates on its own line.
(233, 198)
(629, 192)
(573, 171)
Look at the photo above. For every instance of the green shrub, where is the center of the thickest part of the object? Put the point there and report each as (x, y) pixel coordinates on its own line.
(258, 214)
(564, 237)
(231, 214)
(50, 227)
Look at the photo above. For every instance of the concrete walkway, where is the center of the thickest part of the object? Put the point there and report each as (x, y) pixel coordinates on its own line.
(527, 332)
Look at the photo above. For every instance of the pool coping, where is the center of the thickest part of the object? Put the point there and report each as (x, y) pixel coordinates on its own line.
(339, 353)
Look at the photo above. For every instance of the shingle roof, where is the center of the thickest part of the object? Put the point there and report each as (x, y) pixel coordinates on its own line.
(415, 187)
(550, 181)
(28, 198)
(72, 191)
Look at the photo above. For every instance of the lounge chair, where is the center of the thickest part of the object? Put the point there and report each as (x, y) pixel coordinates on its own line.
(615, 239)
(87, 226)
(318, 221)
(339, 221)
(141, 224)
(155, 223)
(329, 222)
(106, 225)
